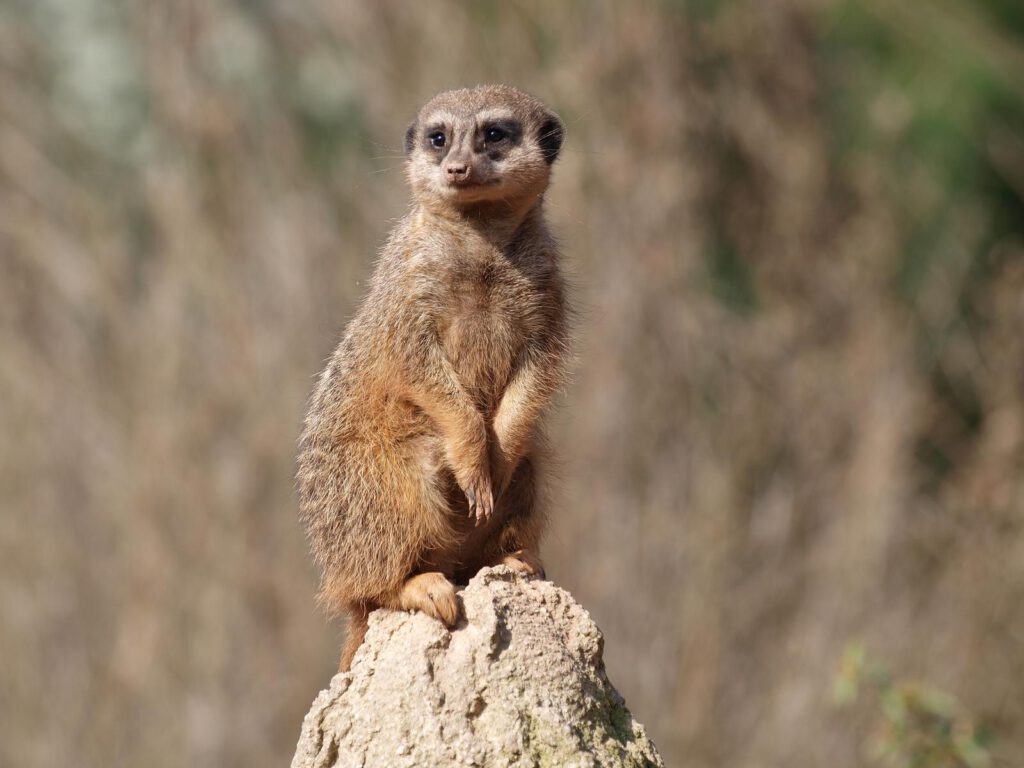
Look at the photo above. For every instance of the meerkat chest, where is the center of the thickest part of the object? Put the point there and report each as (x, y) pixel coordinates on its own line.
(490, 312)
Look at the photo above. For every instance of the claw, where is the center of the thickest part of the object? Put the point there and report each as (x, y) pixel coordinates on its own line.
(484, 509)
(479, 499)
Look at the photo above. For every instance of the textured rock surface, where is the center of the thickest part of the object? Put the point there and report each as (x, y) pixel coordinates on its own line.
(520, 682)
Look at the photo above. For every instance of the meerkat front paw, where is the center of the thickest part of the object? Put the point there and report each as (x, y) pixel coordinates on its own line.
(525, 562)
(480, 496)
(433, 594)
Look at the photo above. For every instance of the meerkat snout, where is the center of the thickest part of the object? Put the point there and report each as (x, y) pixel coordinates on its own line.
(458, 171)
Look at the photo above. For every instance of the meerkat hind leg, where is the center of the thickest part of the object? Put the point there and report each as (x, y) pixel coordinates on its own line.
(431, 592)
(517, 543)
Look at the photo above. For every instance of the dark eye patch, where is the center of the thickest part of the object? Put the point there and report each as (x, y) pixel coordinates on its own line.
(501, 133)
(435, 137)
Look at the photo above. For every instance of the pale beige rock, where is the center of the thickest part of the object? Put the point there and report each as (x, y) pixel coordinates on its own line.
(520, 682)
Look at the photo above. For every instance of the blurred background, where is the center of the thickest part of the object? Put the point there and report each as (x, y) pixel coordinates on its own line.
(792, 485)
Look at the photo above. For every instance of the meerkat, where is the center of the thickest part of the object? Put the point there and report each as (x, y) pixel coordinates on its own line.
(422, 456)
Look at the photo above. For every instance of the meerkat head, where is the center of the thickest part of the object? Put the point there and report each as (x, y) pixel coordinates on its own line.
(486, 144)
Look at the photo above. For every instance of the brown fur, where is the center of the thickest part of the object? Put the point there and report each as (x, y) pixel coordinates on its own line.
(422, 455)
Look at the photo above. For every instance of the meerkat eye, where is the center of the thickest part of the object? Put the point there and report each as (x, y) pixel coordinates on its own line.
(494, 134)
(437, 139)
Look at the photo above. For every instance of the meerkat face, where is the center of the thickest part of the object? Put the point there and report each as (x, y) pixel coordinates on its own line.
(491, 143)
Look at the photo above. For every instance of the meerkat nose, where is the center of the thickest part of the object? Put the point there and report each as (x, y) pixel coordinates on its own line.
(457, 171)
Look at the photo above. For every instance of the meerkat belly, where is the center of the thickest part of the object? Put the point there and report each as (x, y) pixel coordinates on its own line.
(483, 337)
(482, 346)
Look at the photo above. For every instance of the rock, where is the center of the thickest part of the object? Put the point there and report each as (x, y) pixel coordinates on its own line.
(520, 682)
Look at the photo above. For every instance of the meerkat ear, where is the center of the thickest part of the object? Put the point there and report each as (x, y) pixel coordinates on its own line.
(410, 137)
(550, 138)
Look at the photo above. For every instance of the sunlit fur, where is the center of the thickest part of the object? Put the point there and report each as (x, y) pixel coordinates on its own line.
(435, 392)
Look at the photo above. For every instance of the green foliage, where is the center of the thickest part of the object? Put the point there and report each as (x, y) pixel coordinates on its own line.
(917, 726)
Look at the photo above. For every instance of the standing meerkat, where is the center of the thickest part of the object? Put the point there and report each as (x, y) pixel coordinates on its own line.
(421, 458)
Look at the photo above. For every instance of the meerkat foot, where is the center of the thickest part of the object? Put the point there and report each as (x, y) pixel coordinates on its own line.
(433, 594)
(525, 562)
